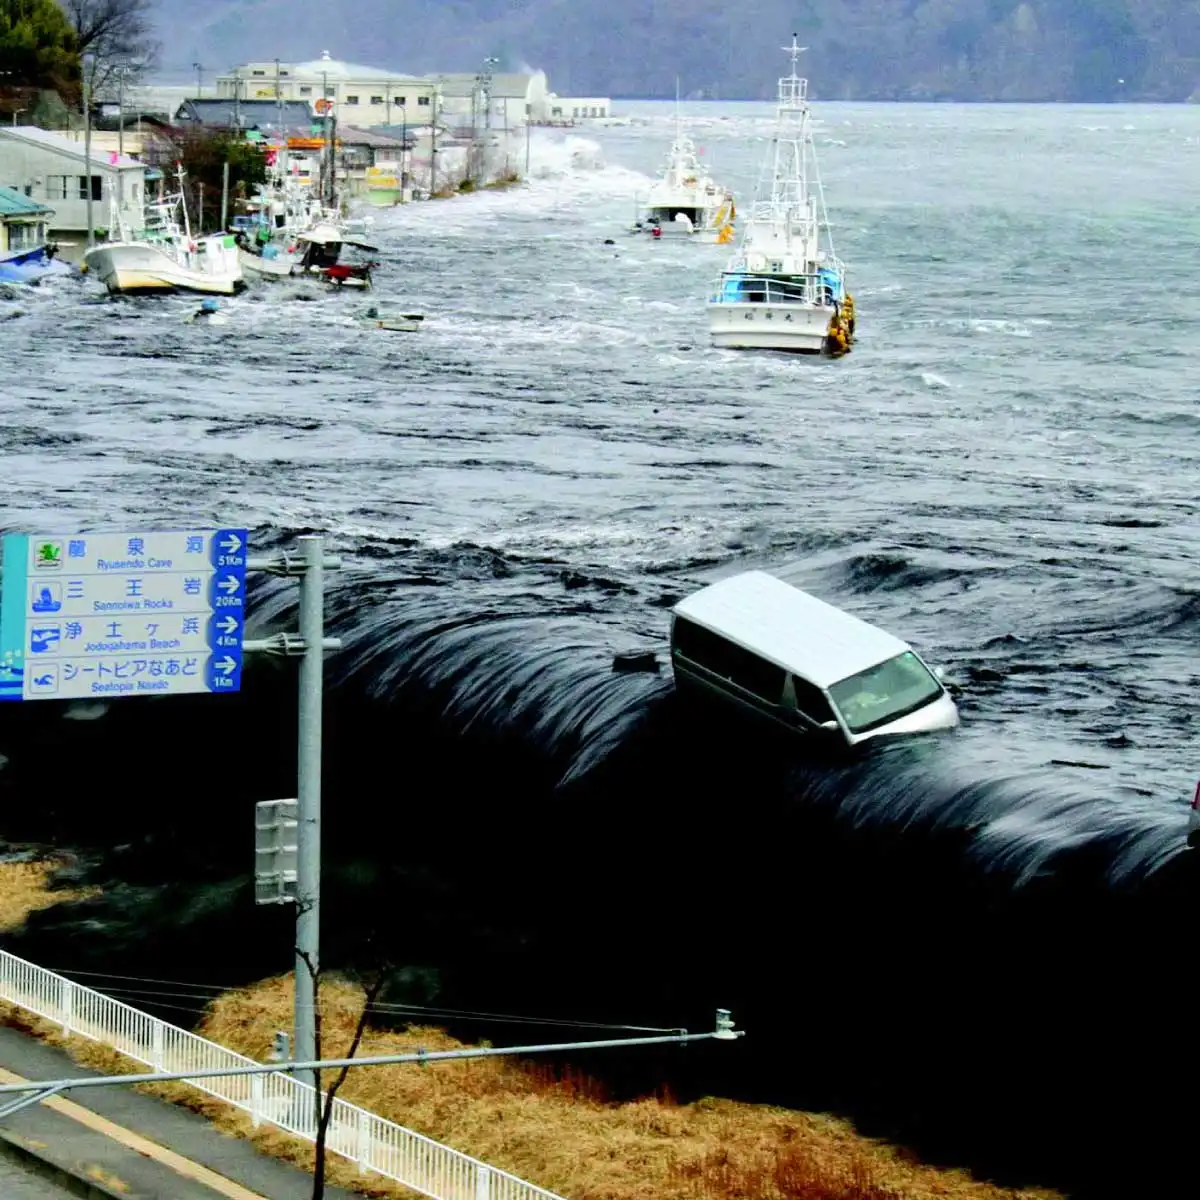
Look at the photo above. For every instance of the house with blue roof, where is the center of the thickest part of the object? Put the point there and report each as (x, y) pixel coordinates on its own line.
(24, 223)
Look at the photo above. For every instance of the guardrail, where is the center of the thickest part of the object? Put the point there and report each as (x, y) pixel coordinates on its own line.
(370, 1141)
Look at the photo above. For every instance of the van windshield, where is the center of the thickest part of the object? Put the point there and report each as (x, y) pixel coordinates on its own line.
(884, 693)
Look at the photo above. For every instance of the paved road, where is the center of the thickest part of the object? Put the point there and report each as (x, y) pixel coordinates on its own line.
(142, 1147)
(18, 1184)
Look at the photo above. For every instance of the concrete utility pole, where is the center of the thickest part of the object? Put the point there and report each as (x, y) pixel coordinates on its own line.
(88, 70)
(433, 103)
(199, 69)
(278, 98)
(308, 798)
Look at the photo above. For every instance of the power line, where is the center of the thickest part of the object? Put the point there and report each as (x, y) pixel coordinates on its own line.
(382, 1008)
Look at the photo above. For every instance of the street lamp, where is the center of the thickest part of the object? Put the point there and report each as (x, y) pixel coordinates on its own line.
(199, 69)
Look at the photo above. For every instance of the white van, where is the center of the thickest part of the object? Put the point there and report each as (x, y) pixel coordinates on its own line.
(779, 652)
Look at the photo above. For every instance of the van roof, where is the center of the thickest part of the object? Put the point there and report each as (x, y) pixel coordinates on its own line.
(790, 627)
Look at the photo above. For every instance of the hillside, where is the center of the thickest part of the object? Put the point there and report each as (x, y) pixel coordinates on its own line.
(1066, 50)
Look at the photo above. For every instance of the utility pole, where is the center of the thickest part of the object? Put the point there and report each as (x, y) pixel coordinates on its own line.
(278, 99)
(308, 799)
(88, 69)
(237, 99)
(225, 195)
(328, 197)
(485, 99)
(120, 140)
(433, 139)
(199, 69)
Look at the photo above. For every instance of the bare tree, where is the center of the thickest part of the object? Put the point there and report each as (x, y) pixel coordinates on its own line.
(112, 36)
(324, 1101)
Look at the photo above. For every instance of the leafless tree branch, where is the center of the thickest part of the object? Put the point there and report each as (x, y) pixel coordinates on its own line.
(112, 36)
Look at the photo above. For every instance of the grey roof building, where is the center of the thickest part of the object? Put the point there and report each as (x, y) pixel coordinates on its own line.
(227, 113)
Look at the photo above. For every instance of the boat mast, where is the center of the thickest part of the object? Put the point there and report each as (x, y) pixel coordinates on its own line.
(187, 225)
(790, 204)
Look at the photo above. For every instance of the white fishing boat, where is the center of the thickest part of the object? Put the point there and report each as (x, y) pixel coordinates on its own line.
(685, 200)
(323, 253)
(785, 288)
(269, 261)
(164, 256)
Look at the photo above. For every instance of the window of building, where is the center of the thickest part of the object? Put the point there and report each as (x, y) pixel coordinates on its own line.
(283, 74)
(97, 187)
(402, 101)
(56, 187)
(258, 72)
(306, 91)
(351, 99)
(376, 99)
(422, 101)
(331, 93)
(574, 112)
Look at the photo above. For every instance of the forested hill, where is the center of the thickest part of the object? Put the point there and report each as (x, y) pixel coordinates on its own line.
(1074, 50)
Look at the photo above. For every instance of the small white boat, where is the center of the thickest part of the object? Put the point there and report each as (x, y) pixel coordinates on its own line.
(785, 288)
(208, 313)
(686, 200)
(164, 256)
(397, 322)
(273, 262)
(321, 255)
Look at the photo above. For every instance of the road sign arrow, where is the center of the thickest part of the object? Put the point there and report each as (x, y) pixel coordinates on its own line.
(228, 624)
(232, 544)
(226, 665)
(229, 584)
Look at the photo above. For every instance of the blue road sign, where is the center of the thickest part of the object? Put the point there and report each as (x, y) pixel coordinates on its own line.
(129, 614)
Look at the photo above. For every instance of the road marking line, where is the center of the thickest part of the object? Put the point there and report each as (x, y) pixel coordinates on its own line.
(126, 1137)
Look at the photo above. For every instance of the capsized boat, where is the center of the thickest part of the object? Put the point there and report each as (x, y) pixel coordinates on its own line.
(686, 200)
(31, 265)
(785, 288)
(164, 256)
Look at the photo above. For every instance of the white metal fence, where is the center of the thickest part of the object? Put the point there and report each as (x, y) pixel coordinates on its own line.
(374, 1144)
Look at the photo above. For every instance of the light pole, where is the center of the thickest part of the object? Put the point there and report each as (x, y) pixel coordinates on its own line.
(199, 69)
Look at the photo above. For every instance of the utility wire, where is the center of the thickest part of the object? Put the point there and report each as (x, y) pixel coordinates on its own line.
(214, 991)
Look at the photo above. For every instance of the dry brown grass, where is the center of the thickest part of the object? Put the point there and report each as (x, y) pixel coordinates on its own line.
(561, 1133)
(558, 1132)
(25, 888)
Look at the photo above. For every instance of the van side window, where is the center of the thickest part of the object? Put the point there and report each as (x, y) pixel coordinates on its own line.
(811, 701)
(706, 649)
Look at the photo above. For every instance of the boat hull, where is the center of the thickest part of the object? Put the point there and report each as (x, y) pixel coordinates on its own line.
(798, 328)
(133, 269)
(282, 267)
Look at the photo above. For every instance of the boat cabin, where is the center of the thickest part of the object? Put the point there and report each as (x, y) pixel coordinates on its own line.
(670, 216)
(778, 652)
